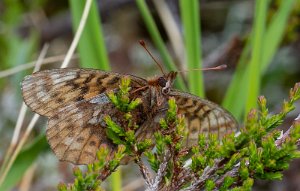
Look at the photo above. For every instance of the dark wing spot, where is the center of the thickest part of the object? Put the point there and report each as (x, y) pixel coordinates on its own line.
(72, 84)
(205, 114)
(92, 143)
(71, 134)
(69, 127)
(54, 95)
(88, 153)
(193, 117)
(199, 108)
(182, 101)
(102, 89)
(84, 90)
(55, 117)
(68, 120)
(76, 86)
(113, 80)
(193, 129)
(189, 106)
(80, 139)
(47, 88)
(99, 81)
(88, 79)
(59, 100)
(103, 76)
(195, 102)
(80, 98)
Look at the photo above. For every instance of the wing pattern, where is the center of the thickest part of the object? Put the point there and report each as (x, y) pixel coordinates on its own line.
(203, 116)
(75, 102)
(46, 91)
(76, 133)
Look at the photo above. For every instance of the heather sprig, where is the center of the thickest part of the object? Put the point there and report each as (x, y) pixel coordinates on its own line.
(258, 151)
(96, 172)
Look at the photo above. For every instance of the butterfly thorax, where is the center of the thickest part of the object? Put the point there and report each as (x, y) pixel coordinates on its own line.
(160, 87)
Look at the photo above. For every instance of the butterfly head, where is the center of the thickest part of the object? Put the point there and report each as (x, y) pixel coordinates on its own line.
(166, 82)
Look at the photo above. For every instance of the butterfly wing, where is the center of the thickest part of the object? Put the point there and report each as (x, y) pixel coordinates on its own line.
(203, 116)
(75, 102)
(75, 133)
(46, 91)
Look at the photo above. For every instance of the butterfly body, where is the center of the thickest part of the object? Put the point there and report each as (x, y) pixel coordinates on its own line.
(75, 102)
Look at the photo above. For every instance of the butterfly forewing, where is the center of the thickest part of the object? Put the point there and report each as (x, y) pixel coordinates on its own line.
(203, 116)
(46, 91)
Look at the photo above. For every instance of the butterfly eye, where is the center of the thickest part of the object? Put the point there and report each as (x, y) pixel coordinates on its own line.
(165, 90)
(162, 82)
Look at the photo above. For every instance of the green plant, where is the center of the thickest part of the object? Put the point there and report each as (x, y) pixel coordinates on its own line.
(259, 151)
(260, 48)
(93, 55)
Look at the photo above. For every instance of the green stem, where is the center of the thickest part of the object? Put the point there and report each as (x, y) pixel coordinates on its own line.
(116, 180)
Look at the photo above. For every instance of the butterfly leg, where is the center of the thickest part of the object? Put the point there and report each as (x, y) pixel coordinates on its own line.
(139, 89)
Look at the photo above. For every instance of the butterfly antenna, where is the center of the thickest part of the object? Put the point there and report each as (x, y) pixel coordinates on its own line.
(143, 44)
(220, 67)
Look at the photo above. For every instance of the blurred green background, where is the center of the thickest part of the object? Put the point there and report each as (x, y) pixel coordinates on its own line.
(258, 40)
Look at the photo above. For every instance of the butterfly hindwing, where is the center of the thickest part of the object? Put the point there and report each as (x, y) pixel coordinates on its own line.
(77, 131)
(203, 116)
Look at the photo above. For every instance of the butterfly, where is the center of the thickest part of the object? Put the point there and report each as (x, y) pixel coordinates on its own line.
(75, 102)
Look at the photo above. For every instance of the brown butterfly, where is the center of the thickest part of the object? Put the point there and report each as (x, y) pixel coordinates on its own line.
(75, 102)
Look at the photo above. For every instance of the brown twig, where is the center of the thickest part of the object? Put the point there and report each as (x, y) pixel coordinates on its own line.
(48, 60)
(145, 173)
(207, 173)
(285, 135)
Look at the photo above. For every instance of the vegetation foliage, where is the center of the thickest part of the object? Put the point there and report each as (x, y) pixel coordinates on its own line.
(258, 151)
(240, 162)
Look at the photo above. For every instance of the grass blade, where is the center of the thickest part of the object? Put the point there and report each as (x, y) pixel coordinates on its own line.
(254, 75)
(91, 46)
(191, 26)
(236, 95)
(275, 32)
(23, 161)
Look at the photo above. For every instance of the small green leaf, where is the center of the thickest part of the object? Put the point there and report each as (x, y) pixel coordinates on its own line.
(228, 181)
(114, 137)
(113, 126)
(209, 185)
(62, 187)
